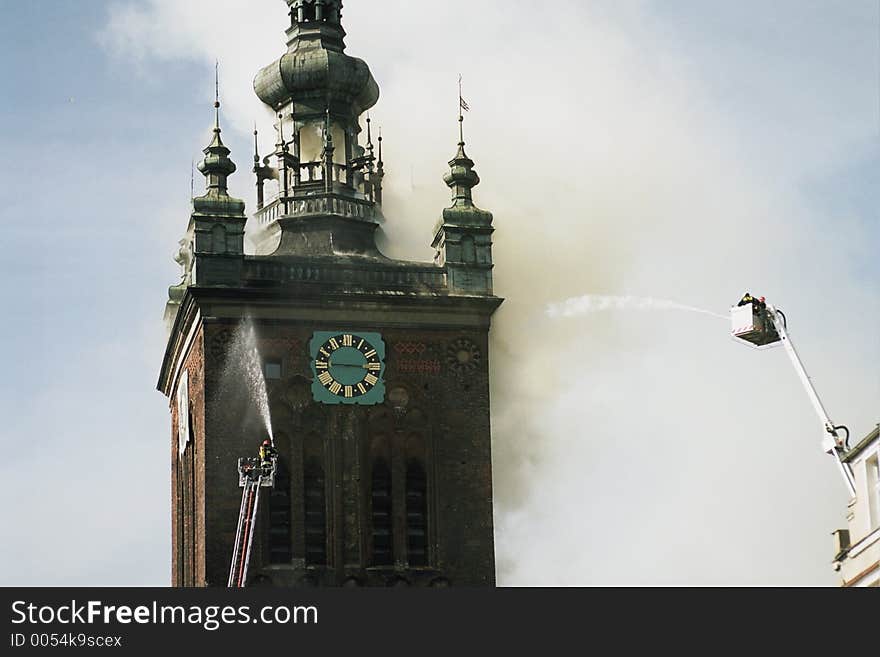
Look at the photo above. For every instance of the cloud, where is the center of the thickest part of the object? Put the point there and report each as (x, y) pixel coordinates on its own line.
(630, 448)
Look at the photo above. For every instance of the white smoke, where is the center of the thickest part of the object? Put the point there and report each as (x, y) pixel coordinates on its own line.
(619, 151)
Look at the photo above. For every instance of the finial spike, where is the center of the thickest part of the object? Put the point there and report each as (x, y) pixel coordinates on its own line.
(380, 146)
(256, 145)
(217, 96)
(462, 107)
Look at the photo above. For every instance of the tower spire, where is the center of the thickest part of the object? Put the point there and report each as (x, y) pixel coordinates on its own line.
(216, 165)
(463, 237)
(217, 94)
(462, 107)
(462, 177)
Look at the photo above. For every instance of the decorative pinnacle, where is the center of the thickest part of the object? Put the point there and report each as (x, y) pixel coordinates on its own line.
(381, 164)
(217, 166)
(281, 146)
(256, 146)
(328, 133)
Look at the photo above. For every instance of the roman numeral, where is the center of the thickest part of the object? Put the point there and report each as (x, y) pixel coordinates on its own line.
(347, 340)
(374, 367)
(325, 352)
(370, 353)
(362, 389)
(333, 344)
(371, 380)
(349, 392)
(321, 365)
(361, 343)
(325, 379)
(335, 388)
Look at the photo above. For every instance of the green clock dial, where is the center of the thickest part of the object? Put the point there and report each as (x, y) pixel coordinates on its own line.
(348, 368)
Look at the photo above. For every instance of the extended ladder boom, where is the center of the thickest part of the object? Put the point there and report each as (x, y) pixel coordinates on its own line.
(831, 442)
(253, 476)
(244, 536)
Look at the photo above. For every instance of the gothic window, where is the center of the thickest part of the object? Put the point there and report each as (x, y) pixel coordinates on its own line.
(380, 497)
(416, 513)
(468, 250)
(315, 509)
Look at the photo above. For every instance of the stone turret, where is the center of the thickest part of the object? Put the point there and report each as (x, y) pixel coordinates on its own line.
(217, 220)
(463, 237)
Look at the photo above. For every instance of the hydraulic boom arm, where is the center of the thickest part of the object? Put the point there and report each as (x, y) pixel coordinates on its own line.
(832, 443)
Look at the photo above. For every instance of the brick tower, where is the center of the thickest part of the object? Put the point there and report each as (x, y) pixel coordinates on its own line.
(376, 369)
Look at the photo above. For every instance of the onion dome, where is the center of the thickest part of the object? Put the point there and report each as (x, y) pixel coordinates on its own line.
(315, 72)
(461, 179)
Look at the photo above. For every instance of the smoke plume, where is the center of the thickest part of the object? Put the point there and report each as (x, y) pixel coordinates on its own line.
(623, 151)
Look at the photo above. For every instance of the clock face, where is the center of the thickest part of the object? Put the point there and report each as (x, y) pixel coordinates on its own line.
(348, 368)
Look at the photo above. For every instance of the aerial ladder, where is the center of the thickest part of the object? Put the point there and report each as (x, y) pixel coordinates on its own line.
(254, 474)
(761, 325)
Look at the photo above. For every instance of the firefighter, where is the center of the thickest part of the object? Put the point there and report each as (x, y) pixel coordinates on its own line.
(266, 452)
(746, 300)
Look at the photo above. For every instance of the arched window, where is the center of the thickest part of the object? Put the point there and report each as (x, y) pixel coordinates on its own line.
(380, 497)
(308, 9)
(316, 510)
(416, 513)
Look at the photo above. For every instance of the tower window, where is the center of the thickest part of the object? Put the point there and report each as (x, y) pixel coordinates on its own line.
(272, 370)
(383, 544)
(315, 508)
(416, 514)
(873, 481)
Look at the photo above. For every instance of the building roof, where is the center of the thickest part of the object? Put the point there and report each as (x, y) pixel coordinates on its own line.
(862, 445)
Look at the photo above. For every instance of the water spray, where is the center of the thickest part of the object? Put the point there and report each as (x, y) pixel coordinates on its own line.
(591, 303)
(251, 367)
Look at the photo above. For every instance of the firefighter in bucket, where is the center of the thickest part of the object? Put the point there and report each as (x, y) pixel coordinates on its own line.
(267, 453)
(755, 327)
(758, 305)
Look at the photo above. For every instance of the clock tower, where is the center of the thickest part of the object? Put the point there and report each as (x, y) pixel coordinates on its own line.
(370, 373)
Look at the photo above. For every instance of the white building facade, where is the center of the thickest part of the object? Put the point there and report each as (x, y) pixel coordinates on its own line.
(857, 557)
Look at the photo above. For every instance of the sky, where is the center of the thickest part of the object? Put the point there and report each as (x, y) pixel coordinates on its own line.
(679, 150)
